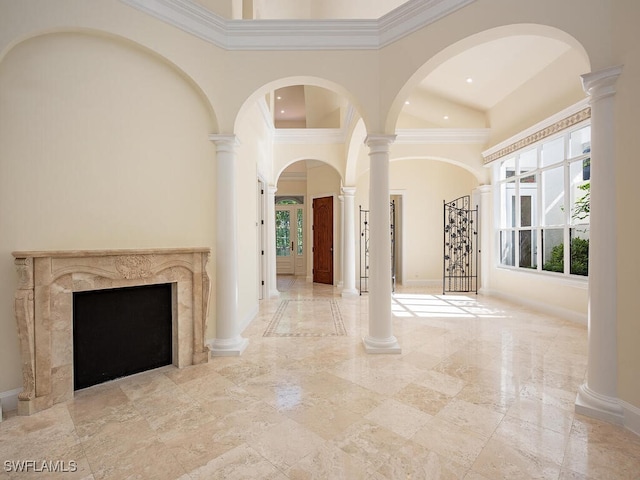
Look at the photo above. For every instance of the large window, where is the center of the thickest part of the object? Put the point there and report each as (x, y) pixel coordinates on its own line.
(544, 204)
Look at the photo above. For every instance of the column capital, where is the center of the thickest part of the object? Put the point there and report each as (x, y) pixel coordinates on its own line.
(379, 142)
(601, 83)
(224, 142)
(272, 189)
(348, 191)
(484, 189)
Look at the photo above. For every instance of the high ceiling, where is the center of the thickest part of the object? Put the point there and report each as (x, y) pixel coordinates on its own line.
(475, 80)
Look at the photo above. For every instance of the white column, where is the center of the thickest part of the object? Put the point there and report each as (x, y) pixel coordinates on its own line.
(598, 397)
(228, 341)
(349, 246)
(485, 232)
(380, 338)
(340, 283)
(272, 276)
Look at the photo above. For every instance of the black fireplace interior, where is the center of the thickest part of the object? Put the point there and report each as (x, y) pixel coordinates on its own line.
(119, 332)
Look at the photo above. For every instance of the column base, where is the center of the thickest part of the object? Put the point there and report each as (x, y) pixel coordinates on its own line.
(598, 406)
(381, 345)
(232, 347)
(350, 292)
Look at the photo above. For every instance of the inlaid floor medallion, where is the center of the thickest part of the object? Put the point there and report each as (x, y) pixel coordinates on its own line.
(306, 318)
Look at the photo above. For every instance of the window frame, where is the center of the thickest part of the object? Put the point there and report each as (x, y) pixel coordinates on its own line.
(505, 179)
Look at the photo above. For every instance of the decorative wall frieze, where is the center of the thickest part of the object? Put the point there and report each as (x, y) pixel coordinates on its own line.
(539, 135)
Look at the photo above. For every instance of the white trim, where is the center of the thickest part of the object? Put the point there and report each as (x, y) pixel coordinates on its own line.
(557, 117)
(266, 115)
(631, 415)
(309, 136)
(442, 135)
(540, 306)
(362, 34)
(596, 405)
(9, 400)
(422, 283)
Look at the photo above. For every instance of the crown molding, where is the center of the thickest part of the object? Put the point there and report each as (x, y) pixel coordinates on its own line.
(411, 136)
(228, 34)
(309, 136)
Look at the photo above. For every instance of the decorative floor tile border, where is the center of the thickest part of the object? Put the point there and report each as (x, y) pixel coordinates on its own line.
(338, 322)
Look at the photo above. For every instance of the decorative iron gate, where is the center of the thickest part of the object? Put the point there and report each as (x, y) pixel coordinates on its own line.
(364, 248)
(460, 267)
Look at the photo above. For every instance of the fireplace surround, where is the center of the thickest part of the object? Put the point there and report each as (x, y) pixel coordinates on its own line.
(44, 301)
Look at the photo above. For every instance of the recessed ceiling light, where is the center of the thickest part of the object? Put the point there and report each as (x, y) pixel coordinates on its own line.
(406, 102)
(279, 97)
(281, 111)
(469, 80)
(446, 117)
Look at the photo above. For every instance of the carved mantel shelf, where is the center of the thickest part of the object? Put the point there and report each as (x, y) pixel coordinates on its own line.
(44, 300)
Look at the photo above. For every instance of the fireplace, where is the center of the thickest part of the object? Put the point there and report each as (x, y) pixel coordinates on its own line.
(44, 307)
(120, 331)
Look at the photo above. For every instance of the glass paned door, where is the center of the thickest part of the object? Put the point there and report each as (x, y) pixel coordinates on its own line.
(290, 240)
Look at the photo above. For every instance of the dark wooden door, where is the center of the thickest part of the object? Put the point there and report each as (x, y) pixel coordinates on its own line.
(323, 240)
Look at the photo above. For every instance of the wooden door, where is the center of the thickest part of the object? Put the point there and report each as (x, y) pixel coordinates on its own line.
(323, 240)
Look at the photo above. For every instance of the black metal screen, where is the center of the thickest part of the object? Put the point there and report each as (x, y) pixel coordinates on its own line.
(364, 248)
(460, 266)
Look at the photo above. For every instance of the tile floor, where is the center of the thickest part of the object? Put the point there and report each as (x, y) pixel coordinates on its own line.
(483, 390)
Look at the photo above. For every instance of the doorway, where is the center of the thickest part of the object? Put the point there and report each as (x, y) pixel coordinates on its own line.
(323, 240)
(290, 249)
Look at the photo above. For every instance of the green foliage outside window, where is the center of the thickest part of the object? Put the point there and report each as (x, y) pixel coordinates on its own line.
(579, 258)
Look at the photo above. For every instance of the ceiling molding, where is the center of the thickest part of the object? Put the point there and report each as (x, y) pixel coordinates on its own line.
(309, 136)
(412, 136)
(292, 177)
(298, 34)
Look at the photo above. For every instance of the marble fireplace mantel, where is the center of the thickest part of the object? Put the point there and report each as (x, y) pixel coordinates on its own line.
(44, 301)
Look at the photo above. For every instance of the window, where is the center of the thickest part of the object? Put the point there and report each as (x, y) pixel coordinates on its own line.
(544, 204)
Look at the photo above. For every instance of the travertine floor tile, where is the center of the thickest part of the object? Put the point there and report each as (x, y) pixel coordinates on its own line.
(483, 390)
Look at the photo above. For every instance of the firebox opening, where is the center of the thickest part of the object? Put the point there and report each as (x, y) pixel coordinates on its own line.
(121, 331)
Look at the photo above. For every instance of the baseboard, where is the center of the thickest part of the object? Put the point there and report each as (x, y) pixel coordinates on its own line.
(564, 313)
(9, 400)
(422, 283)
(631, 417)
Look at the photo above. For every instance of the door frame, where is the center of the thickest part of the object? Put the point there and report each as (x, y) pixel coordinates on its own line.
(293, 225)
(336, 246)
(261, 238)
(399, 237)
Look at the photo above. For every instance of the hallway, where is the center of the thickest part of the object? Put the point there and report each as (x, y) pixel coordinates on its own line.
(483, 389)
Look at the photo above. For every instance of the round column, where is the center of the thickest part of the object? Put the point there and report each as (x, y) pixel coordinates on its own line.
(598, 397)
(380, 338)
(271, 242)
(228, 341)
(349, 246)
(340, 283)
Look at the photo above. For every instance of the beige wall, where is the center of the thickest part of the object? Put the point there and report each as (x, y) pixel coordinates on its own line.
(562, 88)
(103, 145)
(95, 154)
(424, 185)
(627, 144)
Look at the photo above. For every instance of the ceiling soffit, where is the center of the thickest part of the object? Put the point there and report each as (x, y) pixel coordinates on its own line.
(298, 34)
